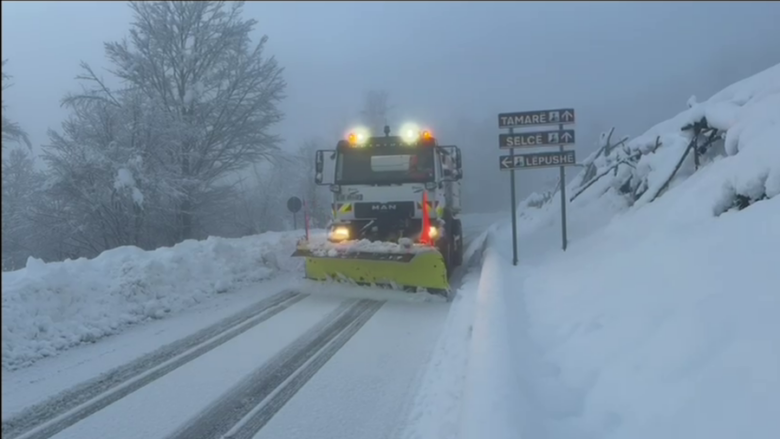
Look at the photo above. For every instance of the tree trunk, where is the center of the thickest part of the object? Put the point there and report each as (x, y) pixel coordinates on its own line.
(185, 215)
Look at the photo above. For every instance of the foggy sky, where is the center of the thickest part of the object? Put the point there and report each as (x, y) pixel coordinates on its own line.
(628, 64)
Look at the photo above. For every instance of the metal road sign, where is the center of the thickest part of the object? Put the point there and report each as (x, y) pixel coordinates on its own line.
(536, 138)
(294, 204)
(537, 160)
(558, 116)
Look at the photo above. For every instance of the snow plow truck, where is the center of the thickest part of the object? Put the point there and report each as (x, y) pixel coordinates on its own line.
(395, 212)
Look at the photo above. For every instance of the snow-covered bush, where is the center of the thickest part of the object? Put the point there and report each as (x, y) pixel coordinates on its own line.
(740, 126)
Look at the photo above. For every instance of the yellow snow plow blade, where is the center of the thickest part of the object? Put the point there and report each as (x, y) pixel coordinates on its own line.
(420, 269)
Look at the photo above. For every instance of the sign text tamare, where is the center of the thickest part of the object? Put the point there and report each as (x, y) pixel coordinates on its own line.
(521, 119)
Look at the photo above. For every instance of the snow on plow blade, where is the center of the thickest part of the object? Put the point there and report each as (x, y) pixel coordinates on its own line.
(417, 269)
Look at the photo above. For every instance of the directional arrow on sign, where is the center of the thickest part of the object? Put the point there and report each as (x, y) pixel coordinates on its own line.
(511, 162)
(568, 116)
(506, 161)
(567, 137)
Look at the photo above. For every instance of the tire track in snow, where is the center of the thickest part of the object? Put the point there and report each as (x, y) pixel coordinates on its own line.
(257, 420)
(241, 403)
(473, 259)
(48, 418)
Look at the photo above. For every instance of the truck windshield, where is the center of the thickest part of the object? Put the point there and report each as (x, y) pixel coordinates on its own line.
(388, 166)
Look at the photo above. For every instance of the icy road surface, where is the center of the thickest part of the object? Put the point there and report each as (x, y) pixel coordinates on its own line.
(285, 358)
(297, 365)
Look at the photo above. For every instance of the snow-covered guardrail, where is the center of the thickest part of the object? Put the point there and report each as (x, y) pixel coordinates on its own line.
(489, 408)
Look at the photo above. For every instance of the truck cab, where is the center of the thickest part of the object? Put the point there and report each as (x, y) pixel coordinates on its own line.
(378, 186)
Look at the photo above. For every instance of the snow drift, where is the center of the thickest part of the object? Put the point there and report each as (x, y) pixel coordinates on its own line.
(661, 318)
(50, 307)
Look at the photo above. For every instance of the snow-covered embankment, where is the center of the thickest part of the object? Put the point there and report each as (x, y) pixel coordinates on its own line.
(661, 319)
(50, 307)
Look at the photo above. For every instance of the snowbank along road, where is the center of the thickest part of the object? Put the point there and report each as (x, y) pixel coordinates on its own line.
(307, 361)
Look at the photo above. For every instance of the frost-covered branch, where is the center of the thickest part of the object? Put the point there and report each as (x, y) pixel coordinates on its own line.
(698, 128)
(194, 62)
(12, 132)
(608, 163)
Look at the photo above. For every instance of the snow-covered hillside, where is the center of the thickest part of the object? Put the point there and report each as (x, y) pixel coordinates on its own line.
(50, 307)
(661, 319)
(737, 128)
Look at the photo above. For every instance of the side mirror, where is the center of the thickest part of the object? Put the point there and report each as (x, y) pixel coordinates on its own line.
(318, 165)
(455, 161)
(453, 175)
(458, 164)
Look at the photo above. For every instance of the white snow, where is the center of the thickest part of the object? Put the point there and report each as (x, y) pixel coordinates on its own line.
(746, 110)
(124, 179)
(34, 384)
(661, 318)
(50, 307)
(647, 327)
(161, 407)
(322, 247)
(436, 409)
(361, 392)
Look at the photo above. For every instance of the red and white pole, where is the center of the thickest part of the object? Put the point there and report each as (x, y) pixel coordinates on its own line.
(306, 218)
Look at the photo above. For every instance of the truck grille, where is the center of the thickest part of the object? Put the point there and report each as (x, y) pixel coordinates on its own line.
(400, 209)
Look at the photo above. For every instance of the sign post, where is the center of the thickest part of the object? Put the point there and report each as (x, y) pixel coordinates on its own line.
(564, 240)
(514, 205)
(537, 160)
(294, 206)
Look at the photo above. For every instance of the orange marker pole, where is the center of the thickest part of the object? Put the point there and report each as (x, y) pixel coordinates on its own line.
(425, 237)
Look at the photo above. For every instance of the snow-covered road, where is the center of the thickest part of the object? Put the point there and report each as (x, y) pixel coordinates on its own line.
(306, 364)
(295, 360)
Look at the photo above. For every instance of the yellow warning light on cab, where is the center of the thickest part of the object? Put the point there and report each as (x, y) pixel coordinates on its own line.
(358, 136)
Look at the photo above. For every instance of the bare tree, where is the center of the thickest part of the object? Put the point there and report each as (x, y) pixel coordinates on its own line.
(375, 111)
(12, 132)
(98, 173)
(195, 64)
(20, 182)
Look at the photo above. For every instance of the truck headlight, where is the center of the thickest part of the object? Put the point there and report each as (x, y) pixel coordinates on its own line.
(339, 233)
(433, 232)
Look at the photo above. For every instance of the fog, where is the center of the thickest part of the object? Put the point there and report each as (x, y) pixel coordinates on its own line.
(449, 65)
